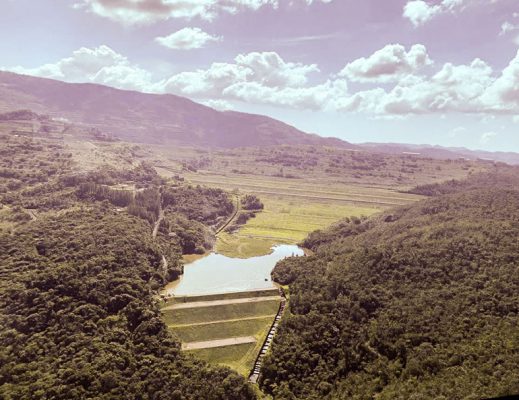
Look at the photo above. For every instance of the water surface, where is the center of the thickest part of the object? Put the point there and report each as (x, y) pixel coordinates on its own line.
(217, 273)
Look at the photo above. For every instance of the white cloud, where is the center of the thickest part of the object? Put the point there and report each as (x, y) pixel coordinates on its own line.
(187, 38)
(455, 88)
(255, 77)
(266, 78)
(220, 105)
(419, 11)
(391, 63)
(487, 137)
(503, 94)
(507, 27)
(149, 11)
(317, 97)
(267, 69)
(131, 12)
(205, 83)
(98, 65)
(272, 70)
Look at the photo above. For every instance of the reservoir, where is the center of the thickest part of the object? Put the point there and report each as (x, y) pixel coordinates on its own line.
(217, 273)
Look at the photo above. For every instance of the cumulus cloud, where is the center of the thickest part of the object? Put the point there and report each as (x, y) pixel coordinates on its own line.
(187, 38)
(266, 68)
(470, 89)
(454, 88)
(255, 77)
(503, 94)
(419, 11)
(318, 97)
(266, 78)
(389, 64)
(98, 65)
(149, 11)
(272, 70)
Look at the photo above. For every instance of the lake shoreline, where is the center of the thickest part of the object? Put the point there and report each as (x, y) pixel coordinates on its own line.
(214, 273)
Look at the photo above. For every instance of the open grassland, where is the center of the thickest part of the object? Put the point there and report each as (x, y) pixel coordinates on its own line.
(308, 188)
(294, 208)
(330, 164)
(304, 188)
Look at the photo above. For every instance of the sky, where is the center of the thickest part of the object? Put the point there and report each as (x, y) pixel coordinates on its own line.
(440, 72)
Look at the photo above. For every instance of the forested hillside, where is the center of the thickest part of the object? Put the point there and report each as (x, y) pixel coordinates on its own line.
(417, 303)
(78, 279)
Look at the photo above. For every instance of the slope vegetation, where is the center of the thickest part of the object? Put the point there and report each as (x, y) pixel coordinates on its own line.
(419, 302)
(79, 274)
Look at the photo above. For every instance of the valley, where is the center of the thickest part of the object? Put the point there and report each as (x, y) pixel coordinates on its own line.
(165, 263)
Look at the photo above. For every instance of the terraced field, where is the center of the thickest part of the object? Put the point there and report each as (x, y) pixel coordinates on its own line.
(226, 329)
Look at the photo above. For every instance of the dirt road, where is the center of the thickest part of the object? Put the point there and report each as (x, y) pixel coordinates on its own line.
(208, 344)
(223, 321)
(198, 304)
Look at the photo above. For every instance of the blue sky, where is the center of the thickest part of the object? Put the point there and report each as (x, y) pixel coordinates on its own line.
(439, 72)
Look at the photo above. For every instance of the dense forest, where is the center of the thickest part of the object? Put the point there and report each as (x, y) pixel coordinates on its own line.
(417, 303)
(79, 276)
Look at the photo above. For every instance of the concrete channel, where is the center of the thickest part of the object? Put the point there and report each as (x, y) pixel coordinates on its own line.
(256, 369)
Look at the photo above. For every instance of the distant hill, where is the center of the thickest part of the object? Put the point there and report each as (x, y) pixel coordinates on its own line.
(441, 152)
(148, 118)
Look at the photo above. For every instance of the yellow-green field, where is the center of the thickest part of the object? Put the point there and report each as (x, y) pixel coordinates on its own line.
(284, 220)
(294, 208)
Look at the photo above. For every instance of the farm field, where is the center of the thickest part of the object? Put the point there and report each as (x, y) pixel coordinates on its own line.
(294, 208)
(305, 189)
(284, 221)
(218, 322)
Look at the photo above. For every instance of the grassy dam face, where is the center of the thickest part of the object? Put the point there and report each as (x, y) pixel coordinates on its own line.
(222, 308)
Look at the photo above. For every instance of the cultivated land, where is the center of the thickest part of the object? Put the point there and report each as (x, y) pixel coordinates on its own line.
(226, 329)
(305, 188)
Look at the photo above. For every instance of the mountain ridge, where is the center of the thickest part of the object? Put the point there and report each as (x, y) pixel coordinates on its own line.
(169, 119)
(441, 152)
(146, 117)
